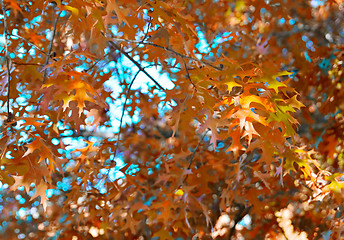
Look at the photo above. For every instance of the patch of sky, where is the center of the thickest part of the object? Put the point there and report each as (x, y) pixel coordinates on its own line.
(281, 21)
(317, 3)
(36, 20)
(202, 45)
(22, 100)
(291, 21)
(14, 32)
(310, 46)
(8, 155)
(18, 197)
(63, 13)
(21, 236)
(2, 41)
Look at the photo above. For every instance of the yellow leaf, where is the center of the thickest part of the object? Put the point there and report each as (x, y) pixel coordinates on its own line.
(179, 193)
(74, 10)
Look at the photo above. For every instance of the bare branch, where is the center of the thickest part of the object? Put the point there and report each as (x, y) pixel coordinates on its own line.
(219, 68)
(121, 120)
(50, 46)
(144, 37)
(7, 57)
(14, 35)
(27, 64)
(188, 74)
(243, 211)
(193, 155)
(137, 64)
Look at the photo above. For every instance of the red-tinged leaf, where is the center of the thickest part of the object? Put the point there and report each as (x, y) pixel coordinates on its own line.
(19, 181)
(36, 122)
(45, 153)
(264, 177)
(236, 145)
(175, 115)
(113, 6)
(14, 5)
(250, 131)
(40, 192)
(210, 123)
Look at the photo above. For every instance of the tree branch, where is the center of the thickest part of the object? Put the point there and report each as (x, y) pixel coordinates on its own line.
(188, 74)
(7, 57)
(243, 211)
(193, 155)
(122, 116)
(137, 64)
(50, 46)
(219, 68)
(14, 35)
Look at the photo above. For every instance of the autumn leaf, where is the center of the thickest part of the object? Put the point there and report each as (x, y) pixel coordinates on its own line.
(250, 91)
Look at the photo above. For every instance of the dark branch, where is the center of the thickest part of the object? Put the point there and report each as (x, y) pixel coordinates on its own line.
(243, 211)
(14, 35)
(170, 50)
(121, 120)
(188, 74)
(50, 46)
(137, 64)
(27, 64)
(7, 57)
(193, 155)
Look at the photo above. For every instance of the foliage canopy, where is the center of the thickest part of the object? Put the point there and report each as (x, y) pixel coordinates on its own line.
(239, 136)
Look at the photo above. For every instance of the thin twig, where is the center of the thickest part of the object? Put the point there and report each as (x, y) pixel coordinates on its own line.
(94, 64)
(50, 46)
(220, 68)
(193, 155)
(27, 64)
(137, 64)
(124, 107)
(17, 36)
(145, 36)
(188, 74)
(48, 56)
(122, 116)
(7, 57)
(240, 215)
